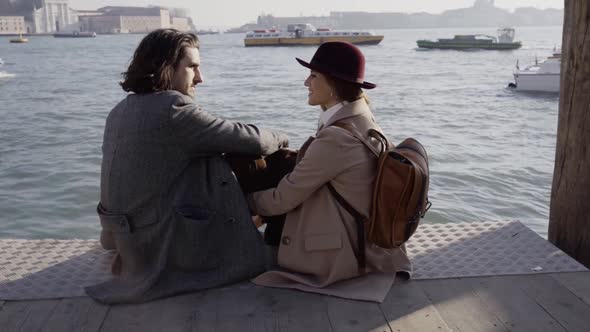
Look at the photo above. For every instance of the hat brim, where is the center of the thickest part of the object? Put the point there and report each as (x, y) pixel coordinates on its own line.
(364, 84)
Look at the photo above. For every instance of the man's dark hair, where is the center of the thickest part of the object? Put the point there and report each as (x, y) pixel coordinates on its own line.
(156, 59)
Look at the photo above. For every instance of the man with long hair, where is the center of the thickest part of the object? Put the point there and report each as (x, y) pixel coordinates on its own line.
(170, 205)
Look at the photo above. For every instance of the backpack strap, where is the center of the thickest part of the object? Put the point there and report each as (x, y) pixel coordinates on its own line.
(376, 134)
(359, 219)
(360, 227)
(355, 133)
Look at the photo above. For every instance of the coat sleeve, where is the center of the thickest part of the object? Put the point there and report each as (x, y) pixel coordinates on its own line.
(325, 158)
(201, 132)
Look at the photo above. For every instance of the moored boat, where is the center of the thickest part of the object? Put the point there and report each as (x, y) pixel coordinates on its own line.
(19, 40)
(542, 76)
(75, 34)
(504, 41)
(307, 34)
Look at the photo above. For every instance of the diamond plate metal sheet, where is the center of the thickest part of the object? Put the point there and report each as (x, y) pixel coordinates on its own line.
(452, 250)
(46, 269)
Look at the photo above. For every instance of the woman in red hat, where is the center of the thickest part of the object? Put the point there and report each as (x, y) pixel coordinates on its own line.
(319, 245)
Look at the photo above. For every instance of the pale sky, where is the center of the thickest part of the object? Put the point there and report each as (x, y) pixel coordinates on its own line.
(232, 13)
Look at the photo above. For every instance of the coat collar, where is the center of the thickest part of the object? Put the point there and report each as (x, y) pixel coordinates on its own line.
(354, 108)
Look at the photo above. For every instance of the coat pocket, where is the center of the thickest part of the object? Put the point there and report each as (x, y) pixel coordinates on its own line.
(194, 213)
(191, 247)
(113, 222)
(317, 242)
(125, 223)
(114, 227)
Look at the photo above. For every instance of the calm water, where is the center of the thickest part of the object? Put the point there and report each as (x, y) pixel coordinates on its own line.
(491, 149)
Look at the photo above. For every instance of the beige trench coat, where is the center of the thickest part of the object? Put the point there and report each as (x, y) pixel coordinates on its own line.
(318, 244)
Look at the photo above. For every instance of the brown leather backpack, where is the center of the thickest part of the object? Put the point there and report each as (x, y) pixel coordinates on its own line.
(400, 195)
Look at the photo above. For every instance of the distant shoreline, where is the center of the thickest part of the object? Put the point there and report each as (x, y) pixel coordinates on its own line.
(240, 32)
(483, 12)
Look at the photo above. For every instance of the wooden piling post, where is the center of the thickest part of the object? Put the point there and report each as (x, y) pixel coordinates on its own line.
(569, 217)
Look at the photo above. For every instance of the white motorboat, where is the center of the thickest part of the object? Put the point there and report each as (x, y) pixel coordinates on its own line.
(1, 62)
(542, 76)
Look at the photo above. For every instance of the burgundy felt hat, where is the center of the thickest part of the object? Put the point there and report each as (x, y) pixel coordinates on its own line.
(341, 60)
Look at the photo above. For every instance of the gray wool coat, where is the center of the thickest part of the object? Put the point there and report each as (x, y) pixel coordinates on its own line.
(169, 203)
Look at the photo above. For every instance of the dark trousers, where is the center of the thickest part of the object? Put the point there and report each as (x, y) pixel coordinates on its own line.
(255, 174)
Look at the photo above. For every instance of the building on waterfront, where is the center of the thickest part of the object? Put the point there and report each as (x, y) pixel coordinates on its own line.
(51, 16)
(12, 25)
(134, 19)
(182, 23)
(40, 16)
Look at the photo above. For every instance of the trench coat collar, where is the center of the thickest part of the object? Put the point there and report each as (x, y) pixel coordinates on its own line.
(357, 107)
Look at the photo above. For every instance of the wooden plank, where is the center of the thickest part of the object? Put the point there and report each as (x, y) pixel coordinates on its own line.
(170, 314)
(252, 308)
(459, 306)
(518, 312)
(300, 311)
(26, 315)
(577, 282)
(558, 301)
(241, 307)
(348, 315)
(407, 308)
(76, 314)
(13, 314)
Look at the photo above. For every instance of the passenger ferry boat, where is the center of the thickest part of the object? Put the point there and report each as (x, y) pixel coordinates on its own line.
(307, 34)
(504, 41)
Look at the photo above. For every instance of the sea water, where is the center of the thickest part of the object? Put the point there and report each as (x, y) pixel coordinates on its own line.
(491, 149)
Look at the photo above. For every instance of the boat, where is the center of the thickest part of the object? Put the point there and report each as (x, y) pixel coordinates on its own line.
(207, 32)
(1, 62)
(541, 76)
(504, 41)
(19, 40)
(307, 34)
(75, 34)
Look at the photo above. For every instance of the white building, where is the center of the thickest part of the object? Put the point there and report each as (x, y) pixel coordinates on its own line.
(115, 19)
(12, 25)
(52, 16)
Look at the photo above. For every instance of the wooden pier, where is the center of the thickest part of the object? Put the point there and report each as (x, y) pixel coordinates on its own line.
(541, 302)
